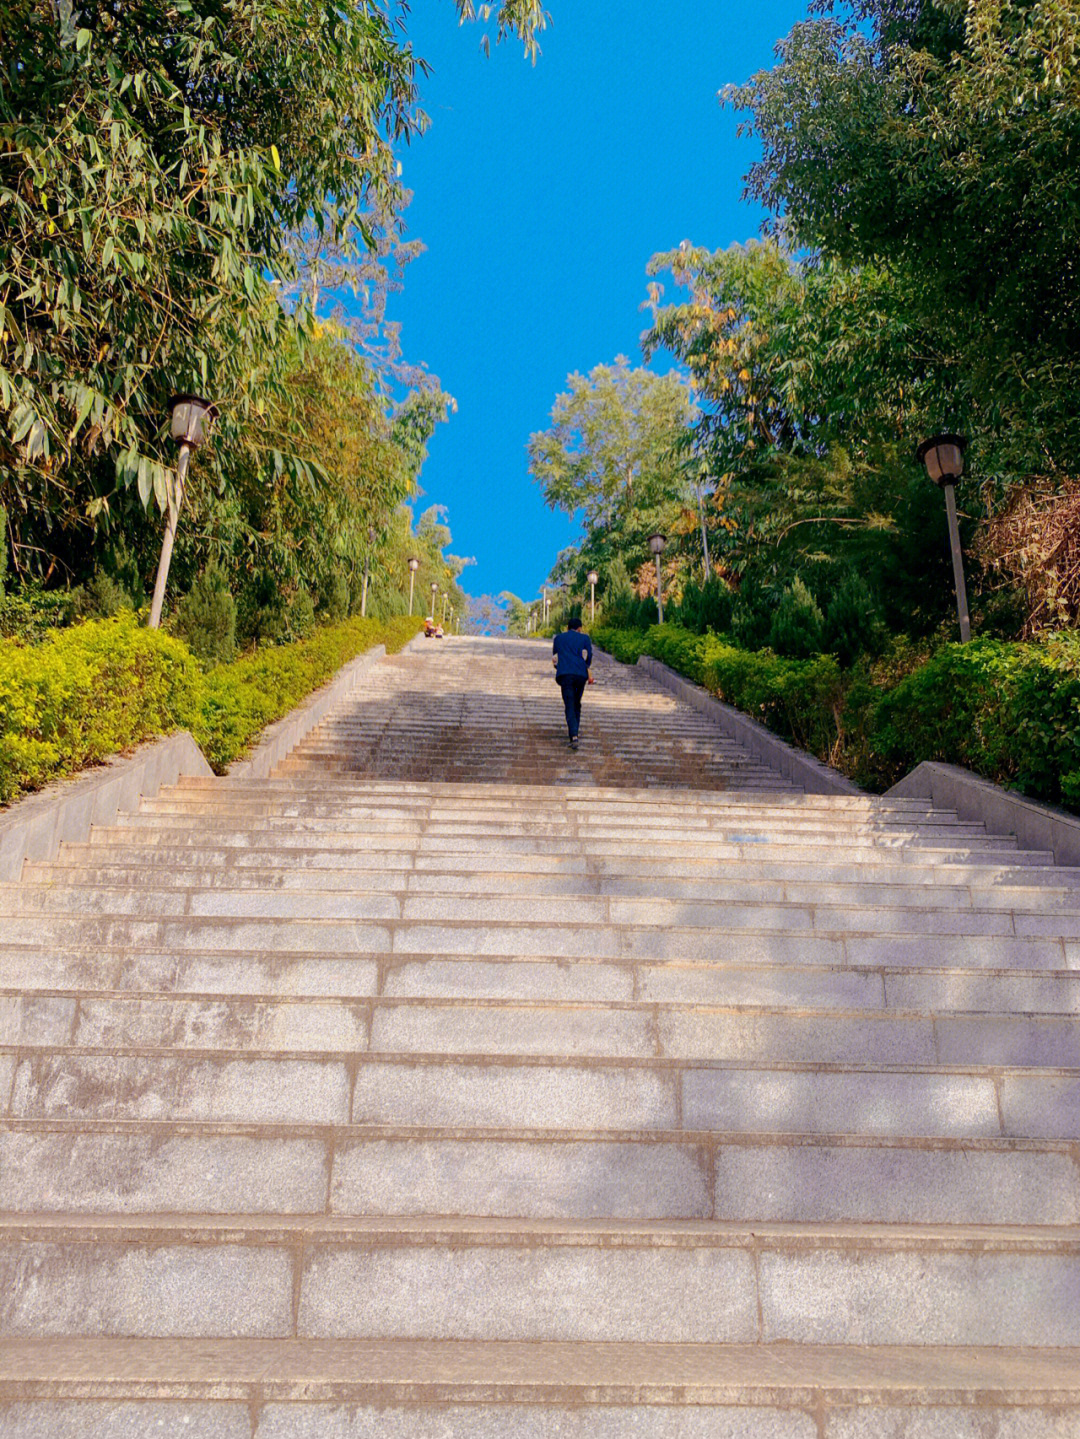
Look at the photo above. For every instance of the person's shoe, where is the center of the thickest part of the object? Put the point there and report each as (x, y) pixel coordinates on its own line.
(573, 742)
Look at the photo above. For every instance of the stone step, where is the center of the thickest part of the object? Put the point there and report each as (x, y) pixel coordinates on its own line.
(366, 867)
(741, 846)
(279, 974)
(415, 1389)
(593, 915)
(180, 815)
(168, 1167)
(374, 791)
(513, 1280)
(197, 870)
(233, 937)
(628, 1029)
(540, 1092)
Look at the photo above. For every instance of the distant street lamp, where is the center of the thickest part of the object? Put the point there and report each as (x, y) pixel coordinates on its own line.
(434, 592)
(657, 544)
(367, 571)
(445, 600)
(191, 419)
(943, 456)
(592, 577)
(414, 565)
(703, 475)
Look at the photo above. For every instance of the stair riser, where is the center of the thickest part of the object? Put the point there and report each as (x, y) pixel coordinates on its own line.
(581, 1179)
(551, 1292)
(202, 873)
(582, 1094)
(640, 1032)
(493, 911)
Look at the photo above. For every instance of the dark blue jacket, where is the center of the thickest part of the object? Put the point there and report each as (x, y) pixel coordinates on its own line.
(573, 650)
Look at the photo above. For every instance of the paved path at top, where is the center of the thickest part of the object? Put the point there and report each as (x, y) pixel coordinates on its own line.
(449, 1085)
(490, 710)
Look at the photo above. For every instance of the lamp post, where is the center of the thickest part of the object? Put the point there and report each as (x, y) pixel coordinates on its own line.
(943, 456)
(434, 592)
(657, 544)
(367, 571)
(703, 474)
(445, 599)
(592, 577)
(191, 419)
(414, 565)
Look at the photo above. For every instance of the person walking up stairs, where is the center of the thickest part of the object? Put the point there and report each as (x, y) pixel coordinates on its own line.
(449, 1085)
(572, 656)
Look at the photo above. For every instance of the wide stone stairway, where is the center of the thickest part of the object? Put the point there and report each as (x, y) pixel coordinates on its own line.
(449, 1084)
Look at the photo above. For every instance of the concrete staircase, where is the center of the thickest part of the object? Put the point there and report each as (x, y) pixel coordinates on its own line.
(452, 1084)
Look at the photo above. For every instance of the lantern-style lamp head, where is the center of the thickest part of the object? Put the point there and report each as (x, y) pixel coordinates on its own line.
(943, 456)
(414, 565)
(434, 586)
(191, 419)
(592, 577)
(657, 544)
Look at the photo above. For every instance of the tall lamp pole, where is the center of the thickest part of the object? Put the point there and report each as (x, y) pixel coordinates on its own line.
(191, 419)
(367, 571)
(434, 592)
(414, 565)
(592, 577)
(657, 544)
(703, 474)
(943, 456)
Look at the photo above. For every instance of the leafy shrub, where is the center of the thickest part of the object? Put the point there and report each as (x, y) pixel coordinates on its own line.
(335, 598)
(853, 624)
(86, 692)
(101, 597)
(206, 618)
(240, 699)
(752, 614)
(797, 627)
(706, 607)
(300, 615)
(31, 612)
(260, 612)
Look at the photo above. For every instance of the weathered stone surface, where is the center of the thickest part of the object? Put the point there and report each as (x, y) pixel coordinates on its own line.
(78, 1419)
(674, 1295)
(532, 1421)
(522, 1178)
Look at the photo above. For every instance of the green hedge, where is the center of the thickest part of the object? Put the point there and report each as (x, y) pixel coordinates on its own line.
(85, 693)
(241, 699)
(1008, 711)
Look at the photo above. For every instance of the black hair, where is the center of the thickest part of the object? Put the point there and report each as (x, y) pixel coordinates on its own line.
(574, 622)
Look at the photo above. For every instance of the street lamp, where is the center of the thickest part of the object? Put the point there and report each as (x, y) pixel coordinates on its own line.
(414, 565)
(592, 577)
(434, 592)
(191, 419)
(445, 599)
(657, 544)
(367, 570)
(703, 474)
(943, 456)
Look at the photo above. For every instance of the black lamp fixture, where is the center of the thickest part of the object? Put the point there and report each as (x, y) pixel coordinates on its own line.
(943, 456)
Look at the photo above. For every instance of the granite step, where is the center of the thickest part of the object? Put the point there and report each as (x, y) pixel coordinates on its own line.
(140, 1167)
(538, 1280)
(454, 1389)
(539, 1092)
(486, 1026)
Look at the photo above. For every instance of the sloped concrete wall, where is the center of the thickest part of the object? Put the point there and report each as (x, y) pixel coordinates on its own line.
(36, 826)
(794, 764)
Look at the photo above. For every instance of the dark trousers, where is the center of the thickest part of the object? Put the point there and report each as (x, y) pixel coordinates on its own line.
(573, 687)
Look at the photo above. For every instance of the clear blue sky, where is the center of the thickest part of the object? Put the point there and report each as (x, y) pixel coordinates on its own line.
(541, 193)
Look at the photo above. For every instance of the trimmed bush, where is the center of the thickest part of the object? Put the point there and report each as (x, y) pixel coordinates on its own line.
(241, 699)
(87, 692)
